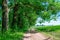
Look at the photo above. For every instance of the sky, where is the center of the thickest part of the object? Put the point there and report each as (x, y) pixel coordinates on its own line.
(52, 22)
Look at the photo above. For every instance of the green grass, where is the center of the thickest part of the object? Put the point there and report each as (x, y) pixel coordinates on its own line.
(11, 36)
(55, 35)
(52, 31)
(48, 28)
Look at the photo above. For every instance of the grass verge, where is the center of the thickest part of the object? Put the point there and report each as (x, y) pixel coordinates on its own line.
(11, 36)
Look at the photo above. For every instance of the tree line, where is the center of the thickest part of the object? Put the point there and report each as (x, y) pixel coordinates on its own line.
(23, 13)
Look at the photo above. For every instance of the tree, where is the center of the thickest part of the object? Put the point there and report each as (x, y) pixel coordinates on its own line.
(15, 14)
(5, 17)
(25, 12)
(0, 2)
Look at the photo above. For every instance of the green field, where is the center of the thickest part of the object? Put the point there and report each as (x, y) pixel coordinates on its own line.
(48, 28)
(53, 31)
(55, 35)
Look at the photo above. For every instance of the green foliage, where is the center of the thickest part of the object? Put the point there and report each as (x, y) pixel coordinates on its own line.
(28, 10)
(46, 15)
(11, 36)
(23, 21)
(0, 2)
(31, 7)
(0, 12)
(32, 18)
(48, 28)
(27, 15)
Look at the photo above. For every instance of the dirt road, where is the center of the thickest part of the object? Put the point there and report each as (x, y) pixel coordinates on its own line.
(36, 36)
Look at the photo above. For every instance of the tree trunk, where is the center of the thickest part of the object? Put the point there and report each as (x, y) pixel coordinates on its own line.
(5, 12)
(14, 21)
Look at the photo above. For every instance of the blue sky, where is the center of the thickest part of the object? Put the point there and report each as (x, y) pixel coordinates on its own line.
(52, 22)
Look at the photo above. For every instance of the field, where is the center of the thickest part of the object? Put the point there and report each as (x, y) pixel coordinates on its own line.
(52, 31)
(48, 28)
(55, 35)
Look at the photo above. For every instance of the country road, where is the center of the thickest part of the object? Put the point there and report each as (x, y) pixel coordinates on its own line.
(36, 36)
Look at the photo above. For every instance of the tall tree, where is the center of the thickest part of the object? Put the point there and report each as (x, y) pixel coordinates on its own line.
(15, 9)
(5, 18)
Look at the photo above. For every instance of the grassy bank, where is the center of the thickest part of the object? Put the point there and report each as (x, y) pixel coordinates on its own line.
(11, 36)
